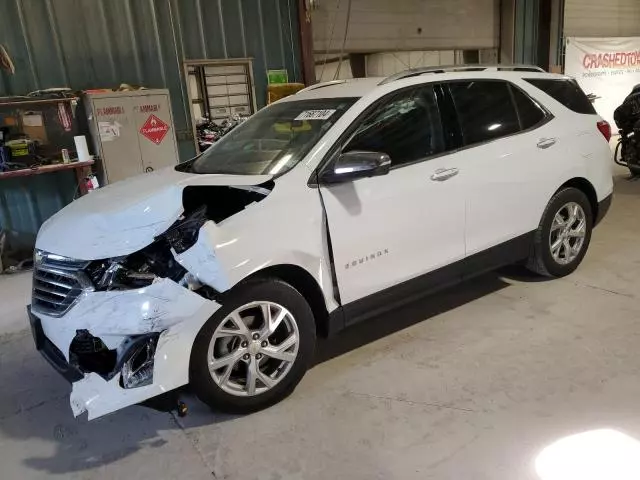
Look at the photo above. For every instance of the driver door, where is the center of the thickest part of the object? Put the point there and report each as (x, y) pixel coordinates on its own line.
(393, 234)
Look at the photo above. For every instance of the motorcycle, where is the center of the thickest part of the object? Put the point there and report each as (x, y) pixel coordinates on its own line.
(627, 152)
(209, 132)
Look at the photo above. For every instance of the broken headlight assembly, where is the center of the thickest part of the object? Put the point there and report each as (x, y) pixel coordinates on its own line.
(137, 368)
(141, 268)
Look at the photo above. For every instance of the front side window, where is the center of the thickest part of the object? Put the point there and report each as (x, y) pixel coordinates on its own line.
(273, 140)
(406, 126)
(485, 110)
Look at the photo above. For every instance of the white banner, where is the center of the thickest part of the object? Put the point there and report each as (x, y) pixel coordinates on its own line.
(606, 67)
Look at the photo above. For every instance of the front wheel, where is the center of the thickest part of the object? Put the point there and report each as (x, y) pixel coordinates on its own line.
(562, 238)
(255, 349)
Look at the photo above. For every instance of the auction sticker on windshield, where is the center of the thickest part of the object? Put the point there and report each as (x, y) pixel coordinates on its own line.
(315, 115)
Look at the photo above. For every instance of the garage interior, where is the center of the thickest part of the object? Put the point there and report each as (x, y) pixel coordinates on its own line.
(479, 381)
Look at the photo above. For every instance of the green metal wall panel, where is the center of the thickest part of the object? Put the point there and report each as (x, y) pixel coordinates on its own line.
(26, 202)
(102, 43)
(526, 31)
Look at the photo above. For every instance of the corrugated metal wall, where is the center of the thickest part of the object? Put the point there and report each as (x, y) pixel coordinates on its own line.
(102, 43)
(520, 31)
(394, 25)
(526, 31)
(26, 202)
(602, 18)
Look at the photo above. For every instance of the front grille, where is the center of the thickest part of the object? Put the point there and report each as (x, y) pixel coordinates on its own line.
(57, 283)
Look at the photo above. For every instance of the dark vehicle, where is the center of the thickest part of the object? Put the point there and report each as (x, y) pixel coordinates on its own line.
(627, 118)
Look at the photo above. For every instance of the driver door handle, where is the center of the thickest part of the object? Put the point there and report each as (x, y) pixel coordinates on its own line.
(546, 142)
(443, 174)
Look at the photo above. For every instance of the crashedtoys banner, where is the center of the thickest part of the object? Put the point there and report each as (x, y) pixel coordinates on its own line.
(606, 67)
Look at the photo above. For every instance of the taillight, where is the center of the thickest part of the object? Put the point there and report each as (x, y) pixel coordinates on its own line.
(605, 129)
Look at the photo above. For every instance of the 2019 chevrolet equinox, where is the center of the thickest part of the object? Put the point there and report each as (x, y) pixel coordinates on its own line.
(323, 209)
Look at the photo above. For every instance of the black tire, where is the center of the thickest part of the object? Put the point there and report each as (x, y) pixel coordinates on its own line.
(541, 260)
(272, 290)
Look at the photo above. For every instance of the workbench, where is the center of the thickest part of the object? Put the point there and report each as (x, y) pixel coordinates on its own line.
(82, 170)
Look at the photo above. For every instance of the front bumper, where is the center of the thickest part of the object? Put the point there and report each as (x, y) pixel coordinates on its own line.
(164, 307)
(50, 352)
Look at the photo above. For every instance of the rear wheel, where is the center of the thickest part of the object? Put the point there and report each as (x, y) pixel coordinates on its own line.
(562, 238)
(255, 349)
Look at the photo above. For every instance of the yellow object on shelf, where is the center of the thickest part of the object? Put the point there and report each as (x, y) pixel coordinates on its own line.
(276, 91)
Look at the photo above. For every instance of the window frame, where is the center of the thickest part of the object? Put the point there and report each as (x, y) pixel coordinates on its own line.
(571, 81)
(350, 132)
(452, 134)
(547, 117)
(510, 85)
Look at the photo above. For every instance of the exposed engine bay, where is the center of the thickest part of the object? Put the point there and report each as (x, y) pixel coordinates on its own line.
(158, 260)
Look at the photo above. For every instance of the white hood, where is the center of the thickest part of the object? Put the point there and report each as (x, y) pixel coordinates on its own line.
(124, 217)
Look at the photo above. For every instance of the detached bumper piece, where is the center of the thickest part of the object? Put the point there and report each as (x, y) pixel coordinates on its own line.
(133, 359)
(88, 354)
(50, 352)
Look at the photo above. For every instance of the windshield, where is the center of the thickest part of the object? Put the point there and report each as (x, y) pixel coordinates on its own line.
(273, 140)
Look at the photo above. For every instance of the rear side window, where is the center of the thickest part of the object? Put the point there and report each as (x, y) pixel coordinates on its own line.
(485, 110)
(530, 113)
(567, 92)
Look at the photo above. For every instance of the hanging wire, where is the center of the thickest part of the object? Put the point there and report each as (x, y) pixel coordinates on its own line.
(333, 26)
(344, 40)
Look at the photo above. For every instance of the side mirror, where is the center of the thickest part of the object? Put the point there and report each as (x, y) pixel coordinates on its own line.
(357, 164)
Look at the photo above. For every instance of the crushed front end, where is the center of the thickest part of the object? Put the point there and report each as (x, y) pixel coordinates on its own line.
(121, 330)
(125, 278)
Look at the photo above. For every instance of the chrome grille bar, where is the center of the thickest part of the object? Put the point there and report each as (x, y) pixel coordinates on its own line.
(55, 271)
(50, 291)
(57, 283)
(37, 296)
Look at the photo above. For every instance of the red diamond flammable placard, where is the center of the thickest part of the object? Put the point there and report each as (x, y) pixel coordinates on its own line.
(154, 129)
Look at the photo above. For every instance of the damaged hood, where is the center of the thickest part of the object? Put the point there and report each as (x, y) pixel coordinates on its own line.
(122, 218)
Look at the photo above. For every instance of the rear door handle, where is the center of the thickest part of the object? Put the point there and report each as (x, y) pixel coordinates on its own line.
(443, 174)
(546, 142)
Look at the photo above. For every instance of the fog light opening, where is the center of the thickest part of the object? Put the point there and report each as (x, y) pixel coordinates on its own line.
(137, 370)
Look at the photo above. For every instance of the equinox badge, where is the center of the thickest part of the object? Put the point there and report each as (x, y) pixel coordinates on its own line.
(367, 258)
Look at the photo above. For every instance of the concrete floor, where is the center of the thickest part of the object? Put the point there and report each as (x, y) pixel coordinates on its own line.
(470, 384)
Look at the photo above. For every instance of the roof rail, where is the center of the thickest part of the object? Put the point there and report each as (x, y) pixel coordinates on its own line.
(315, 86)
(413, 72)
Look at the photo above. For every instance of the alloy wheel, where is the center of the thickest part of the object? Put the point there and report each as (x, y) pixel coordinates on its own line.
(568, 232)
(253, 348)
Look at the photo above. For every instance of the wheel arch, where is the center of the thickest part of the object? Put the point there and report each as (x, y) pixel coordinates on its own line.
(303, 281)
(586, 187)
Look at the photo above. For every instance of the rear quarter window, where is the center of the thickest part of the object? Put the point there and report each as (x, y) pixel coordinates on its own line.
(566, 92)
(530, 113)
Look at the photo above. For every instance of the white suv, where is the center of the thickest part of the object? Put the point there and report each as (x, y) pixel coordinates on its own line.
(324, 209)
